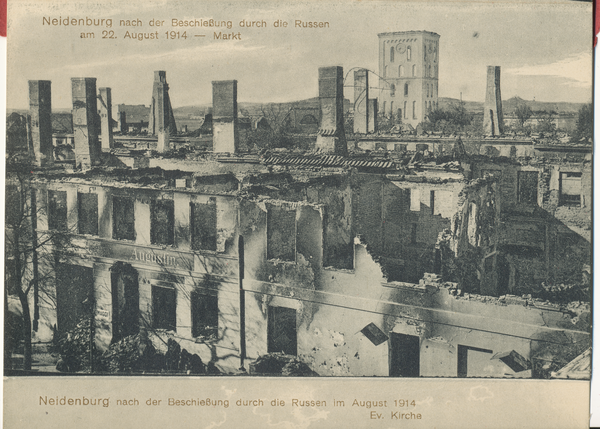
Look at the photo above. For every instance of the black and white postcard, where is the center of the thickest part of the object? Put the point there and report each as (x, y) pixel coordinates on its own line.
(366, 214)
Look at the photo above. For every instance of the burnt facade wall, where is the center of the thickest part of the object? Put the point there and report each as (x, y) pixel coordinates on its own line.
(332, 306)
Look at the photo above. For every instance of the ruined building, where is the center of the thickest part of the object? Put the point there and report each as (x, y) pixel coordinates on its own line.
(408, 70)
(321, 255)
(458, 259)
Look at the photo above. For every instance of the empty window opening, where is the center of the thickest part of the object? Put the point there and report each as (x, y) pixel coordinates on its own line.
(57, 210)
(408, 53)
(570, 188)
(404, 355)
(164, 308)
(281, 233)
(87, 213)
(282, 335)
(13, 208)
(125, 300)
(472, 360)
(204, 225)
(74, 295)
(391, 54)
(414, 110)
(413, 233)
(205, 313)
(527, 187)
(406, 89)
(123, 218)
(414, 70)
(162, 222)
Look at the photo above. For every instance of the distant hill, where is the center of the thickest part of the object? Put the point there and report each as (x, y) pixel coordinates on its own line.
(509, 106)
(250, 108)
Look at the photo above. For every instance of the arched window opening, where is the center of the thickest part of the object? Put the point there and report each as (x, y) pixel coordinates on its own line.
(414, 110)
(405, 109)
(408, 53)
(393, 90)
(392, 54)
(401, 71)
(414, 70)
(406, 89)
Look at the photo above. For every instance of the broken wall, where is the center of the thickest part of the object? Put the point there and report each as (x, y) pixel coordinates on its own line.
(399, 220)
(545, 233)
(473, 239)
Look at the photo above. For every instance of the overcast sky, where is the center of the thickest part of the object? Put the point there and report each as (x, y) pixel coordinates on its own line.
(545, 51)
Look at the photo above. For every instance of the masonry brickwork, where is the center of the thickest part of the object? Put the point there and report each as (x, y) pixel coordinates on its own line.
(493, 120)
(331, 137)
(105, 100)
(409, 73)
(40, 121)
(361, 101)
(225, 117)
(86, 122)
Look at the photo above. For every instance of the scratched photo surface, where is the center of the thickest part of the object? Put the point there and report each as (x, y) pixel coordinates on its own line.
(348, 189)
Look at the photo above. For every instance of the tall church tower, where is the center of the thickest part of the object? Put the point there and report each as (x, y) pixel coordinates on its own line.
(408, 70)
